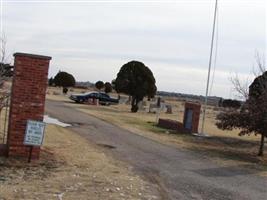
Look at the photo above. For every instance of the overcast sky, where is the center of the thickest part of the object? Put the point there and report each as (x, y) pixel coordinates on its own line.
(92, 40)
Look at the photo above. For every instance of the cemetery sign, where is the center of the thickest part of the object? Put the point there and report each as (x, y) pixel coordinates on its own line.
(34, 133)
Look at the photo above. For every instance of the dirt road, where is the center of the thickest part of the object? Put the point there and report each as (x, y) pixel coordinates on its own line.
(178, 174)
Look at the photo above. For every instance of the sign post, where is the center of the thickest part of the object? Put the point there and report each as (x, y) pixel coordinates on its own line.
(34, 135)
(30, 154)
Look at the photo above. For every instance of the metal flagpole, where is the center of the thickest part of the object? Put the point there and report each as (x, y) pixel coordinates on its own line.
(210, 60)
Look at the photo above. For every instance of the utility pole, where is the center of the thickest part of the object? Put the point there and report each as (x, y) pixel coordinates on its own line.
(210, 61)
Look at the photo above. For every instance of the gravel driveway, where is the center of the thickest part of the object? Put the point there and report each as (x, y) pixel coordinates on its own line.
(178, 174)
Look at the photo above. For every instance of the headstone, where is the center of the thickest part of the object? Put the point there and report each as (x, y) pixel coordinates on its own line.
(153, 108)
(169, 109)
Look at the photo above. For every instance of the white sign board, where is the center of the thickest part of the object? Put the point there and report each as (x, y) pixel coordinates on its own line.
(34, 133)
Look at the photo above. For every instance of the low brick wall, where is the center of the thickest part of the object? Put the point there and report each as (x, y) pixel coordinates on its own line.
(173, 125)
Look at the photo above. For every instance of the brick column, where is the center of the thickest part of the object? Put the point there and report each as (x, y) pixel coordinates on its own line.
(27, 100)
(196, 114)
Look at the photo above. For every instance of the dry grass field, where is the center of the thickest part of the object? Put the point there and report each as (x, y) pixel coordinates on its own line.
(70, 168)
(224, 146)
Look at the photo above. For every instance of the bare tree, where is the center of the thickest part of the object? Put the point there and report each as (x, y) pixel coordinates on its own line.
(3, 48)
(4, 67)
(240, 87)
(252, 117)
(2, 59)
(260, 64)
(4, 91)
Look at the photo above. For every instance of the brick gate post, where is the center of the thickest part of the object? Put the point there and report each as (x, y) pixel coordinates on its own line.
(195, 107)
(27, 100)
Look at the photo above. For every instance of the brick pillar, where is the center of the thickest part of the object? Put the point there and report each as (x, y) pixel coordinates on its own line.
(27, 100)
(195, 107)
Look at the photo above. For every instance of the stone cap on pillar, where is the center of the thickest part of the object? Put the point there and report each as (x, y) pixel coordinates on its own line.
(32, 56)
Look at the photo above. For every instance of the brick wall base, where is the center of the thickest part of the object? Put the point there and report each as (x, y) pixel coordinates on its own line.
(173, 125)
(23, 151)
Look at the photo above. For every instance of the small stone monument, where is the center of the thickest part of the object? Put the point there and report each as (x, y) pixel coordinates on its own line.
(168, 109)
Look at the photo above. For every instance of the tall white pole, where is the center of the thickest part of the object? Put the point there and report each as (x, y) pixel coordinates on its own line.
(210, 61)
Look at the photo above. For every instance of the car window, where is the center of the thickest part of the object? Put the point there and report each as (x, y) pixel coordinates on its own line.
(95, 94)
(91, 95)
(103, 95)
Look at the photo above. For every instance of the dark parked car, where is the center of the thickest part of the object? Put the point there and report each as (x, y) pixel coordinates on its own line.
(104, 99)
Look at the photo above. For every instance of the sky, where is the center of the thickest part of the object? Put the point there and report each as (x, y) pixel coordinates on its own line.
(93, 39)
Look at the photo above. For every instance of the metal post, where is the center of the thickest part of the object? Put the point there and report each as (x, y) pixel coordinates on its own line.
(210, 59)
(30, 154)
